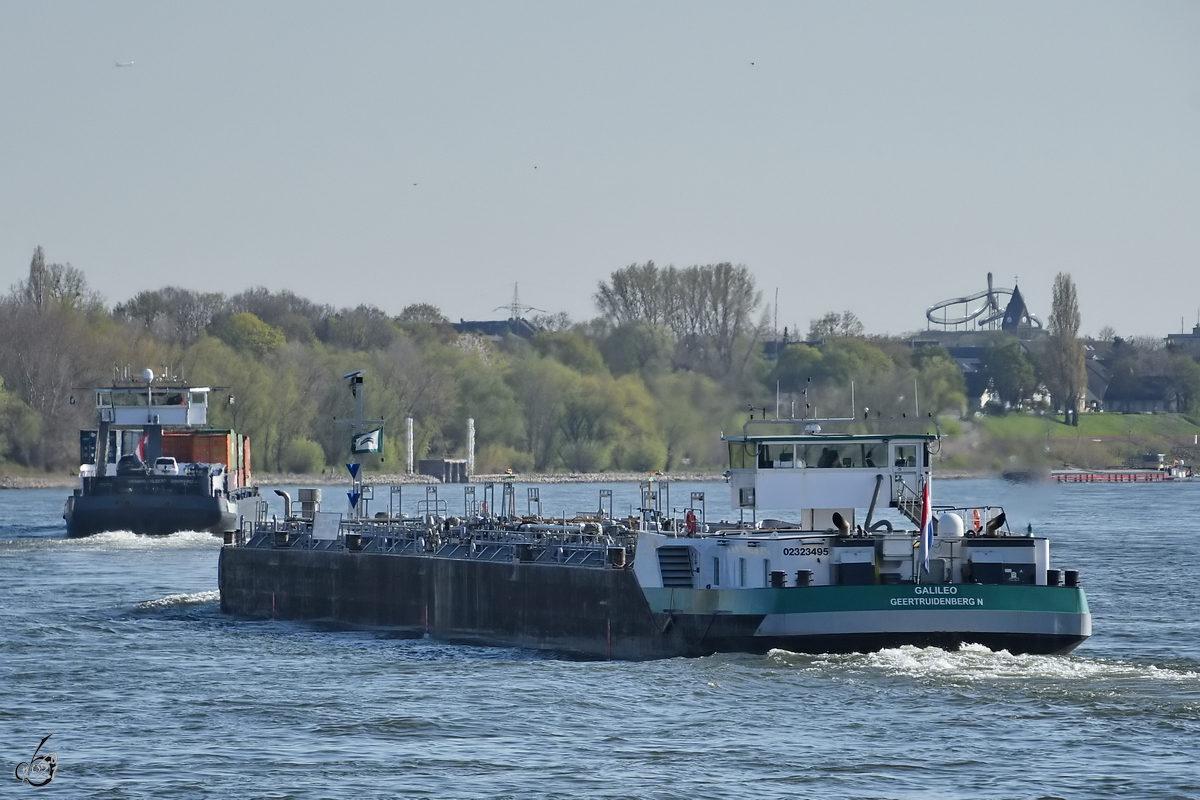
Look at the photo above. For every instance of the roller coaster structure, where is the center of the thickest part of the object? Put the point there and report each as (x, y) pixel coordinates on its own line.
(994, 315)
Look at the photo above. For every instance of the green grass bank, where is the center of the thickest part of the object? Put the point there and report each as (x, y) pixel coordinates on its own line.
(1043, 442)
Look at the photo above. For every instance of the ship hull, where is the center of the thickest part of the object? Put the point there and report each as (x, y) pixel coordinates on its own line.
(157, 514)
(604, 613)
(149, 515)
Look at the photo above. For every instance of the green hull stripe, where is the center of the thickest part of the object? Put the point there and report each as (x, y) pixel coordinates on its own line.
(905, 597)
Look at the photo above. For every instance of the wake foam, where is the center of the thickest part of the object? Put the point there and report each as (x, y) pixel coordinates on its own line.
(127, 540)
(977, 663)
(179, 600)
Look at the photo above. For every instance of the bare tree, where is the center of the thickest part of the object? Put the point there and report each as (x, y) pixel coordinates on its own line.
(729, 300)
(708, 308)
(634, 295)
(177, 315)
(145, 308)
(55, 286)
(834, 325)
(558, 321)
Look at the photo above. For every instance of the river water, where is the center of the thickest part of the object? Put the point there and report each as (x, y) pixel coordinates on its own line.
(116, 645)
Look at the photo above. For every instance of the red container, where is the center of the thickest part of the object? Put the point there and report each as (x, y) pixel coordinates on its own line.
(178, 445)
(214, 447)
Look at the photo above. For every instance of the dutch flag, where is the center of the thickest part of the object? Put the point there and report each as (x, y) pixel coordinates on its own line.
(926, 543)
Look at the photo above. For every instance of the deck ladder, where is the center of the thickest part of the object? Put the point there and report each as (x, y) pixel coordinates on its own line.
(675, 565)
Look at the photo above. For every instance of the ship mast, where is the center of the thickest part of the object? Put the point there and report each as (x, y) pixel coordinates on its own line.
(355, 381)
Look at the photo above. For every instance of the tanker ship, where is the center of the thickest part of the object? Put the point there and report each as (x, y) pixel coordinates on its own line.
(840, 576)
(153, 467)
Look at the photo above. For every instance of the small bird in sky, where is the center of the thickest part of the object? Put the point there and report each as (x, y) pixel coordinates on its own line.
(124, 63)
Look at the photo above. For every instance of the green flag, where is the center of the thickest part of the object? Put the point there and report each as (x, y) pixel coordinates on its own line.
(369, 442)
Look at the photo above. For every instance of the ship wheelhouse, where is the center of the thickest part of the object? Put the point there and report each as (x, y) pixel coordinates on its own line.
(818, 473)
(822, 483)
(136, 406)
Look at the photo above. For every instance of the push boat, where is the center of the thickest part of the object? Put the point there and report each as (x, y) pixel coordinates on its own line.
(660, 584)
(153, 467)
(1177, 472)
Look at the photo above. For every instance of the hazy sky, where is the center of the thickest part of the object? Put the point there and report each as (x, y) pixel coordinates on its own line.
(876, 157)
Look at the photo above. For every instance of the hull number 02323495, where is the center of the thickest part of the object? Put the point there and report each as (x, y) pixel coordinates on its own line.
(806, 551)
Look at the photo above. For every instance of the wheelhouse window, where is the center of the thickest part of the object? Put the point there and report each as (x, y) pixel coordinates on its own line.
(775, 456)
(741, 455)
(874, 454)
(906, 455)
(166, 398)
(833, 454)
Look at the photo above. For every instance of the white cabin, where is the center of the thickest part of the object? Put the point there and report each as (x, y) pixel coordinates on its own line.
(824, 480)
(163, 404)
(816, 474)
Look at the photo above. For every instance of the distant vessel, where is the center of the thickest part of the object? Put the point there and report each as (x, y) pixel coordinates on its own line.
(152, 467)
(1157, 470)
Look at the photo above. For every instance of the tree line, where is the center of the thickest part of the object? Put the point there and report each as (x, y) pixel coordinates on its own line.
(674, 357)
